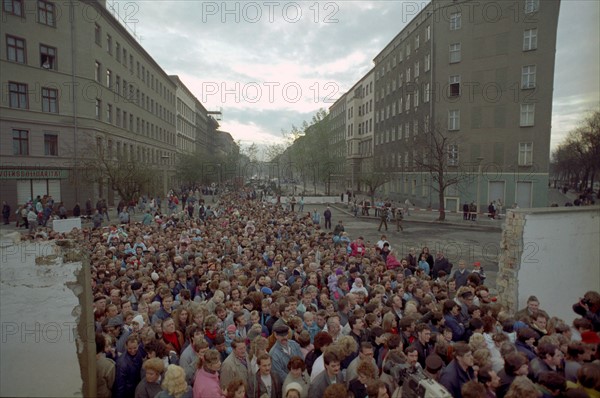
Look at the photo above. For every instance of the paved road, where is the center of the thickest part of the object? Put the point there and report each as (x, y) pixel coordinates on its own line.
(457, 241)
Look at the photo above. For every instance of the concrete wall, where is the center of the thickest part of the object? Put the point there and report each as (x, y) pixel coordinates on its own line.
(552, 253)
(47, 347)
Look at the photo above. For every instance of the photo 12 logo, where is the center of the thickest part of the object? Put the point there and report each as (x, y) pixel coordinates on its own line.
(269, 11)
(254, 92)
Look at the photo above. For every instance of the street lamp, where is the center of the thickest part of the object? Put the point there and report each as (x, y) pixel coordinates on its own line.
(479, 160)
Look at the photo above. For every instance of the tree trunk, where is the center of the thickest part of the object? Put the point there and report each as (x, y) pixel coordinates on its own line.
(442, 216)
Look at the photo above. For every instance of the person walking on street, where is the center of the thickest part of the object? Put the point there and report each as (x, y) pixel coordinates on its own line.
(32, 218)
(383, 215)
(399, 218)
(407, 205)
(327, 215)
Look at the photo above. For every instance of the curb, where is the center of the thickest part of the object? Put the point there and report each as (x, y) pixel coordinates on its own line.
(446, 222)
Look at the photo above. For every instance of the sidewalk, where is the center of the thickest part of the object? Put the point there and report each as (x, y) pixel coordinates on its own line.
(431, 216)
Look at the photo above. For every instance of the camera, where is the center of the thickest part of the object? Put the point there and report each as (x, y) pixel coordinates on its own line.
(414, 383)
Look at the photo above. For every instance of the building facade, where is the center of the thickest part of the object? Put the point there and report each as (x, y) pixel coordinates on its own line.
(359, 130)
(76, 83)
(481, 75)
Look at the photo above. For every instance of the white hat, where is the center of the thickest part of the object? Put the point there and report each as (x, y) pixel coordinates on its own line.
(139, 319)
(293, 386)
(154, 276)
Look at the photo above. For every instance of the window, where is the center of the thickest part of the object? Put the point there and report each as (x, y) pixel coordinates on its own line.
(15, 49)
(18, 95)
(47, 57)
(427, 65)
(118, 85)
(527, 115)
(109, 44)
(14, 7)
(407, 103)
(46, 13)
(417, 40)
(98, 34)
(416, 98)
(453, 120)
(108, 78)
(98, 109)
(109, 113)
(528, 77)
(118, 117)
(530, 39)
(455, 53)
(50, 144)
(452, 155)
(455, 21)
(97, 71)
(49, 100)
(454, 85)
(531, 6)
(408, 50)
(428, 33)
(525, 153)
(417, 69)
(408, 75)
(426, 93)
(118, 52)
(20, 142)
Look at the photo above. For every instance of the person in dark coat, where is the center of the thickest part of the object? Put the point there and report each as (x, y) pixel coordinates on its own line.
(459, 371)
(5, 212)
(129, 366)
(451, 314)
(77, 210)
(441, 264)
(515, 364)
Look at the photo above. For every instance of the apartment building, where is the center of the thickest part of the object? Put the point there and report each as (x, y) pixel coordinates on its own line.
(359, 129)
(337, 122)
(481, 74)
(76, 82)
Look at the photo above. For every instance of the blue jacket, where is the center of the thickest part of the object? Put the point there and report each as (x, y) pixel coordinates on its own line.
(458, 330)
(453, 377)
(128, 374)
(280, 358)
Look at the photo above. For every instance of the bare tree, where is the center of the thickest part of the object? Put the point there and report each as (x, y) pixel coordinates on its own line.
(128, 177)
(576, 161)
(372, 181)
(438, 153)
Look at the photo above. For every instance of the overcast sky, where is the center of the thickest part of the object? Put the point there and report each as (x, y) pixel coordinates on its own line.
(271, 64)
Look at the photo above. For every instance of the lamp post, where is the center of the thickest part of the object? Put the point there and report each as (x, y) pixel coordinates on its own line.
(479, 160)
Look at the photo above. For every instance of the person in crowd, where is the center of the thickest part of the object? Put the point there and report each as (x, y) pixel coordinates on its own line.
(149, 387)
(176, 282)
(174, 384)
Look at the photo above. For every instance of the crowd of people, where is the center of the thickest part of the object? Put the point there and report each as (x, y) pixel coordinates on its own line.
(254, 300)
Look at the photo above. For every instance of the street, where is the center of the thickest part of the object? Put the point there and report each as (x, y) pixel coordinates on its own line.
(456, 241)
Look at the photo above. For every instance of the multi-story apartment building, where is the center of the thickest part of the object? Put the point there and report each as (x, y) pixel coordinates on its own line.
(359, 129)
(186, 111)
(337, 121)
(481, 75)
(76, 82)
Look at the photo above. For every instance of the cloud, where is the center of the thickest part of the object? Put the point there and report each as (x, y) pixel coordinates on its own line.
(323, 48)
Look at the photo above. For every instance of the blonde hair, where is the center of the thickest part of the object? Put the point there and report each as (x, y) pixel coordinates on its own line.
(155, 364)
(174, 382)
(522, 387)
(259, 343)
(477, 341)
